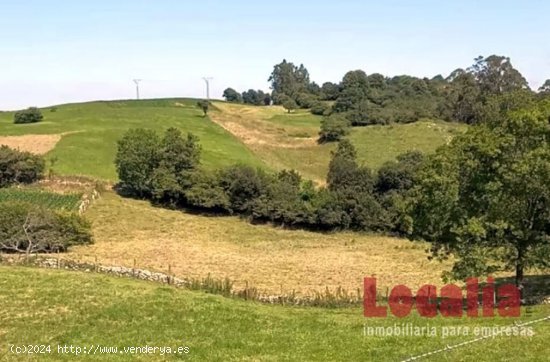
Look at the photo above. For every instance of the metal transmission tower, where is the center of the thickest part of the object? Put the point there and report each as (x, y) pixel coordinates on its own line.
(137, 87)
(207, 81)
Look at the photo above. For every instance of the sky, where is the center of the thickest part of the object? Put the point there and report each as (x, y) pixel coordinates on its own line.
(54, 52)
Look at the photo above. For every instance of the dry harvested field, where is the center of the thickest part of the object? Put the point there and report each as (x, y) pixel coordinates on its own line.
(36, 143)
(272, 259)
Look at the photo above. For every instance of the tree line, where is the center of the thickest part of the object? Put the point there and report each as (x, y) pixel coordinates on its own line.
(491, 85)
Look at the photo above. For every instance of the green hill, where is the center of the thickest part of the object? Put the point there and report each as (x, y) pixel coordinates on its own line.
(86, 135)
(51, 308)
(90, 131)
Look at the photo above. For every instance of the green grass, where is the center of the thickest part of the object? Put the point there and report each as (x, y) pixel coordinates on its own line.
(69, 308)
(378, 144)
(50, 200)
(273, 137)
(288, 140)
(92, 129)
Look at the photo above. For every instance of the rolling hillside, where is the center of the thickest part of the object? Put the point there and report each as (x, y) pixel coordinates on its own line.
(289, 140)
(81, 138)
(88, 133)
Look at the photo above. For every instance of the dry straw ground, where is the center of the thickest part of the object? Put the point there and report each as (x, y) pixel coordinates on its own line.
(272, 259)
(38, 144)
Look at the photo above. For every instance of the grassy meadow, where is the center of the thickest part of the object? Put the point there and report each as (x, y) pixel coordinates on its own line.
(90, 132)
(289, 140)
(82, 137)
(54, 308)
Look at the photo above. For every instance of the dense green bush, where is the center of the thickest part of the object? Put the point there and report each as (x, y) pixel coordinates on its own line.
(136, 160)
(206, 192)
(243, 184)
(305, 100)
(156, 168)
(19, 167)
(320, 109)
(29, 115)
(333, 128)
(27, 228)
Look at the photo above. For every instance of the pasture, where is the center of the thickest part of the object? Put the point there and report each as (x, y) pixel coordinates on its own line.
(89, 132)
(50, 307)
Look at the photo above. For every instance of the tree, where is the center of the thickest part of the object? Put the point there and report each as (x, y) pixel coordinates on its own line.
(320, 109)
(463, 99)
(399, 175)
(305, 100)
(354, 88)
(178, 158)
(485, 198)
(288, 103)
(289, 79)
(243, 184)
(496, 75)
(206, 192)
(345, 173)
(29, 115)
(203, 105)
(333, 128)
(329, 91)
(232, 95)
(545, 88)
(136, 160)
(267, 99)
(27, 228)
(19, 167)
(255, 97)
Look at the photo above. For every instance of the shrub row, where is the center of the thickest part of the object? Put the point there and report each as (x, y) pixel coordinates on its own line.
(167, 171)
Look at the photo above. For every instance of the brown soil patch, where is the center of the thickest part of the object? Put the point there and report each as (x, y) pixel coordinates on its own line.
(37, 144)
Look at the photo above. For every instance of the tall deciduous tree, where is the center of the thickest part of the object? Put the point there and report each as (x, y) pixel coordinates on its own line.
(496, 75)
(485, 197)
(289, 79)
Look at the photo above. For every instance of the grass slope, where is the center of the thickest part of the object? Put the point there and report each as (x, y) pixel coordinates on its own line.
(69, 308)
(90, 131)
(288, 140)
(378, 144)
